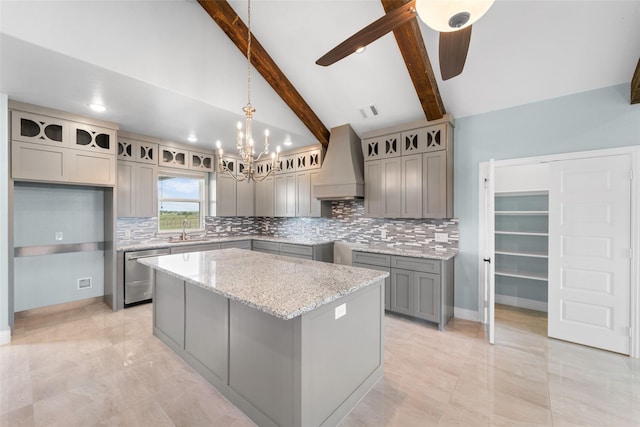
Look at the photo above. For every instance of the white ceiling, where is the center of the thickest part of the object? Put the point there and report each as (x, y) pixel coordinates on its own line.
(165, 69)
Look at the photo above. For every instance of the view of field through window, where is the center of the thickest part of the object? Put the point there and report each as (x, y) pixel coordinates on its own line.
(180, 198)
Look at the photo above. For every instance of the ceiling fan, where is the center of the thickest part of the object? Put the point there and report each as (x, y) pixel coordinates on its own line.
(452, 18)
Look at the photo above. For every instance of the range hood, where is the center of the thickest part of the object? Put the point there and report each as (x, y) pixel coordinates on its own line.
(341, 176)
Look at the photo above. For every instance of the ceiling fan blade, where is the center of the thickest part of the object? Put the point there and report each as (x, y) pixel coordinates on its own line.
(370, 33)
(453, 52)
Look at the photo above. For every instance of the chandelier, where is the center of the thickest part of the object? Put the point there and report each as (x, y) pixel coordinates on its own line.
(244, 140)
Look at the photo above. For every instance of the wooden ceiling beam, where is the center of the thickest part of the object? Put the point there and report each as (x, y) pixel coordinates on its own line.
(635, 85)
(227, 19)
(414, 53)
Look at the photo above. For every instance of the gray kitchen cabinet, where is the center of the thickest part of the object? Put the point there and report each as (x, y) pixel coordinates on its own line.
(419, 287)
(39, 163)
(373, 193)
(402, 289)
(245, 198)
(411, 171)
(168, 307)
(383, 181)
(173, 157)
(265, 197)
(137, 189)
(376, 262)
(240, 244)
(319, 252)
(285, 189)
(225, 195)
(426, 296)
(410, 175)
(39, 129)
(303, 194)
(92, 138)
(201, 162)
(137, 148)
(137, 175)
(206, 325)
(381, 147)
(437, 184)
(306, 204)
(200, 247)
(391, 188)
(51, 149)
(233, 198)
(268, 247)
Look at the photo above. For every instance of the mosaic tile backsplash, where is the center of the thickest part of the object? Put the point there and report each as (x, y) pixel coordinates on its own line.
(346, 223)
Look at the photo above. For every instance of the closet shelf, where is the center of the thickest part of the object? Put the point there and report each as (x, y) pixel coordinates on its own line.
(522, 275)
(523, 254)
(521, 233)
(522, 213)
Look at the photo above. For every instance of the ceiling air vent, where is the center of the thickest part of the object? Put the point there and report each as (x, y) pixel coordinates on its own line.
(369, 111)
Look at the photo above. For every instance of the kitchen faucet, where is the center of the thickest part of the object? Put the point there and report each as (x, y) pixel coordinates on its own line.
(185, 224)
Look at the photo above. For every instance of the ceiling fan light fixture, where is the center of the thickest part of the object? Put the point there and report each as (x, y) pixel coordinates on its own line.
(451, 15)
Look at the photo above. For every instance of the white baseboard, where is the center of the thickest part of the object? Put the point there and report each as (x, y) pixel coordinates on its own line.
(5, 336)
(522, 302)
(463, 313)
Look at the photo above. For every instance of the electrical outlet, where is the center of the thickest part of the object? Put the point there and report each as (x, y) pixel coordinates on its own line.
(383, 234)
(59, 235)
(228, 228)
(341, 310)
(338, 259)
(317, 230)
(127, 234)
(442, 237)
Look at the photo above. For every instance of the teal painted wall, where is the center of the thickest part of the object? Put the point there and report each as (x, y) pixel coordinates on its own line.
(593, 120)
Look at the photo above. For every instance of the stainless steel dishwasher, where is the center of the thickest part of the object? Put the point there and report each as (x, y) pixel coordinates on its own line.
(138, 278)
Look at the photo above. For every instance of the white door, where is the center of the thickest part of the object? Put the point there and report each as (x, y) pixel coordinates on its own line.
(489, 252)
(589, 251)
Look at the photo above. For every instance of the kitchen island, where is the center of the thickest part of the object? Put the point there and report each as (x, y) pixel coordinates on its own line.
(290, 342)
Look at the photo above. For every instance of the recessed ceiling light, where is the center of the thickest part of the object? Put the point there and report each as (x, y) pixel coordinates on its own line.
(361, 49)
(98, 108)
(287, 143)
(192, 138)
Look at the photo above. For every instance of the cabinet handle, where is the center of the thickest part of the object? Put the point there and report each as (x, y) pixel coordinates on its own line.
(487, 260)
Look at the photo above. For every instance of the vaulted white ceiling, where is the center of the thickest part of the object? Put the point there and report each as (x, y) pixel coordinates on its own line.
(165, 69)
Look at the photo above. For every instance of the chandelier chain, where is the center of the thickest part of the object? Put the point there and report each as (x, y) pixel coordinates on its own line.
(249, 53)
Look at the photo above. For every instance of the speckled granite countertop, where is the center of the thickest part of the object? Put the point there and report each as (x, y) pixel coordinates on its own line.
(281, 286)
(164, 243)
(416, 252)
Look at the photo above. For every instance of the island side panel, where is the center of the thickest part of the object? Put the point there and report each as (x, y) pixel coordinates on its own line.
(207, 331)
(168, 310)
(262, 353)
(342, 358)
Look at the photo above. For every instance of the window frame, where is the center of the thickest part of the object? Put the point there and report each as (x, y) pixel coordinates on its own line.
(204, 197)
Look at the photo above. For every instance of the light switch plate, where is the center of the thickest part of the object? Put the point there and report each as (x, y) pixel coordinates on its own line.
(442, 237)
(59, 235)
(341, 310)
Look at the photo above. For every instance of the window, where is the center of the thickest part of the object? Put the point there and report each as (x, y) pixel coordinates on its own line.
(181, 197)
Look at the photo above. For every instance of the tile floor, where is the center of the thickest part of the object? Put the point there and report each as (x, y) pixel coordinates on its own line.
(89, 366)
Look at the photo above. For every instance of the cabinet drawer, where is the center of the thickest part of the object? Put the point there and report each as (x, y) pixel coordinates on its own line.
(266, 246)
(241, 244)
(195, 248)
(371, 259)
(416, 264)
(290, 249)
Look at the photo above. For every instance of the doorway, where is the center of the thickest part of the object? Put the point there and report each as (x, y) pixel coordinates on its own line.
(592, 231)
